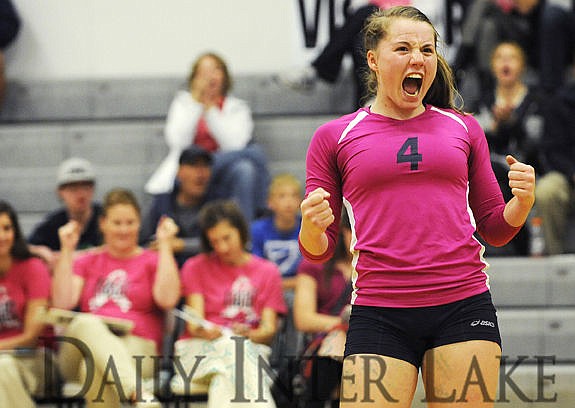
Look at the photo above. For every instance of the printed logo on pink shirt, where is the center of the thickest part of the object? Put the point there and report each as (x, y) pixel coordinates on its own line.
(8, 318)
(239, 302)
(112, 290)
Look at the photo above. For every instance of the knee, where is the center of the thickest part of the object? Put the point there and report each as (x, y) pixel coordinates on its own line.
(84, 322)
(244, 169)
(8, 365)
(543, 195)
(7, 360)
(549, 188)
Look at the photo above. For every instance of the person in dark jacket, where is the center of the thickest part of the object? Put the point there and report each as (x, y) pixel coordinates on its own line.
(76, 182)
(9, 28)
(183, 203)
(511, 117)
(554, 193)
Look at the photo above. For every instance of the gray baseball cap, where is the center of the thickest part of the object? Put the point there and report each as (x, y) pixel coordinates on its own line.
(75, 170)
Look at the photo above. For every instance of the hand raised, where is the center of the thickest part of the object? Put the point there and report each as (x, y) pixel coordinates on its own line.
(521, 180)
(166, 229)
(69, 235)
(316, 212)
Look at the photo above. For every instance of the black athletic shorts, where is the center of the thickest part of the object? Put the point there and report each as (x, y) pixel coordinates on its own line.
(407, 333)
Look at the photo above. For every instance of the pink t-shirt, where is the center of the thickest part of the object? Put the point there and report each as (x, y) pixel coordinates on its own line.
(384, 4)
(25, 280)
(122, 288)
(416, 190)
(234, 293)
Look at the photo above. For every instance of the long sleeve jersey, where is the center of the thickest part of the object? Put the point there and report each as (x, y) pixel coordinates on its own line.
(416, 191)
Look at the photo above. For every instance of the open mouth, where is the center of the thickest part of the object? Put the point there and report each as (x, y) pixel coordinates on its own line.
(412, 84)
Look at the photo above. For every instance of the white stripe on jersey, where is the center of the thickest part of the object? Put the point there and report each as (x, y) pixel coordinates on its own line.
(351, 125)
(354, 252)
(452, 116)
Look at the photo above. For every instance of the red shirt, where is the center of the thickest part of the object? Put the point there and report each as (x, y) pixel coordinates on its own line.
(25, 280)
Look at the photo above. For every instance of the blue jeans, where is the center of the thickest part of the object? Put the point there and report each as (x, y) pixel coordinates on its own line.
(242, 175)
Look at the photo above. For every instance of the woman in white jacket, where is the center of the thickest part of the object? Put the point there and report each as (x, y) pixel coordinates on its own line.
(207, 116)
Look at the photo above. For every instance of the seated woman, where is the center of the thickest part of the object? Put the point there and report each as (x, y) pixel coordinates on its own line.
(321, 305)
(206, 115)
(24, 292)
(511, 118)
(240, 296)
(118, 280)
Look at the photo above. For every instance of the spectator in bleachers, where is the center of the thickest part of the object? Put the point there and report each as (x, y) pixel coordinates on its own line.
(321, 308)
(76, 185)
(9, 28)
(206, 115)
(233, 294)
(182, 204)
(479, 36)
(119, 280)
(544, 30)
(275, 237)
(24, 292)
(511, 118)
(346, 40)
(554, 195)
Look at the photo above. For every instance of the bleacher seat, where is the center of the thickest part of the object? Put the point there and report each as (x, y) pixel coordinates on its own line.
(149, 98)
(536, 305)
(532, 282)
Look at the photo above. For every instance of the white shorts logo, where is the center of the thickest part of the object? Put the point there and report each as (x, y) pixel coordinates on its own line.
(482, 323)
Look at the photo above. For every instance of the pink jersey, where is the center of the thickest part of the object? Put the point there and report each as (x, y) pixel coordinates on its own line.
(383, 4)
(234, 293)
(122, 288)
(416, 190)
(26, 280)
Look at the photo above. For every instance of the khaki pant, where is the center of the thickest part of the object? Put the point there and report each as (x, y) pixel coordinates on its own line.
(553, 202)
(21, 376)
(216, 363)
(107, 370)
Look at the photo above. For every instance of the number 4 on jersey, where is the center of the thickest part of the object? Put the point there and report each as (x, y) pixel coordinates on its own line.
(413, 156)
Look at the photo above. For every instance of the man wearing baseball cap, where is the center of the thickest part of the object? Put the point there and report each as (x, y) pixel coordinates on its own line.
(76, 184)
(183, 203)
